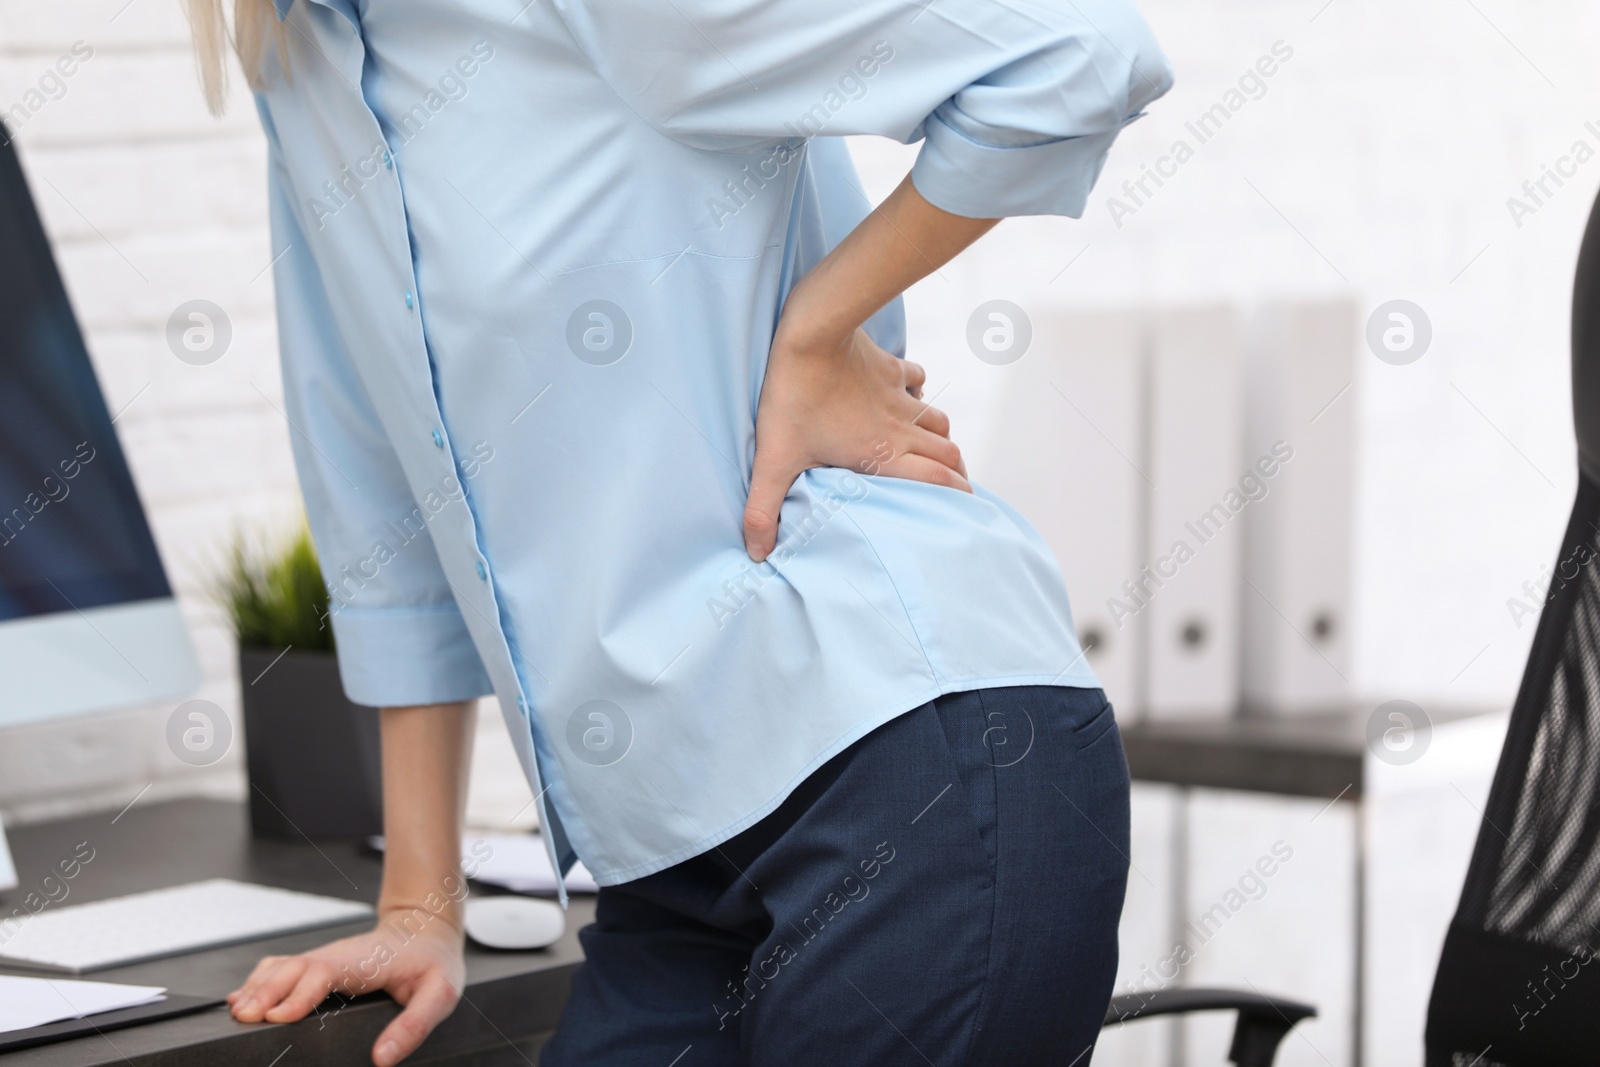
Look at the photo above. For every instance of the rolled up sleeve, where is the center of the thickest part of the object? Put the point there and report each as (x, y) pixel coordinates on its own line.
(396, 657)
(399, 634)
(1017, 102)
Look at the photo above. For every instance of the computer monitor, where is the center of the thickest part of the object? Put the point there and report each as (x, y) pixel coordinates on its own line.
(87, 619)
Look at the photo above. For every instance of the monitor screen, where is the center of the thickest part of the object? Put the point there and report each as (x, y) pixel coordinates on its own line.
(72, 533)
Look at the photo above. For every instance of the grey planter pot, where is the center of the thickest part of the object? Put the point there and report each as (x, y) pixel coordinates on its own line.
(313, 756)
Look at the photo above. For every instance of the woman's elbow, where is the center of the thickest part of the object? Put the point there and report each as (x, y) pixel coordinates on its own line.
(1106, 71)
(1149, 74)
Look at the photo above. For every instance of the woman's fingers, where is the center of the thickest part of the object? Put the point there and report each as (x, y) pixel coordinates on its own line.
(776, 467)
(425, 977)
(921, 413)
(265, 964)
(433, 1001)
(922, 469)
(931, 418)
(312, 989)
(770, 478)
(915, 377)
(922, 442)
(263, 993)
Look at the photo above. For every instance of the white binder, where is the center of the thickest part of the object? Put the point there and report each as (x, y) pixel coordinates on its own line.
(1066, 448)
(8, 869)
(1297, 593)
(1194, 535)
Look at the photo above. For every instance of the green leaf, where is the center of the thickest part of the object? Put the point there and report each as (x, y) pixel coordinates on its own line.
(274, 594)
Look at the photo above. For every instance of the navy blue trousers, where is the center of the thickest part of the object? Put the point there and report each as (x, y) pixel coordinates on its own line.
(945, 891)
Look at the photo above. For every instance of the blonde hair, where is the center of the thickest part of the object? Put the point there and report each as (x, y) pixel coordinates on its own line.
(254, 22)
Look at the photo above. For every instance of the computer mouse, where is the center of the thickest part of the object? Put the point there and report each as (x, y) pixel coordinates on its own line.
(513, 922)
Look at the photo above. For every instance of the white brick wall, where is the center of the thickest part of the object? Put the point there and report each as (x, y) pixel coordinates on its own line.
(151, 202)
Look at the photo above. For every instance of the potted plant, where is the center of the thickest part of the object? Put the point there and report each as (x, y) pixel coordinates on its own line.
(312, 755)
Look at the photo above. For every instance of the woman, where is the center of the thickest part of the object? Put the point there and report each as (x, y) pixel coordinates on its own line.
(591, 350)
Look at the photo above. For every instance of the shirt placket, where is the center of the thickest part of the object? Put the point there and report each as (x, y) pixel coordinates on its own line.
(429, 451)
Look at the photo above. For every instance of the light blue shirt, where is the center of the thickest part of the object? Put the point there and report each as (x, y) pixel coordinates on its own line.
(530, 258)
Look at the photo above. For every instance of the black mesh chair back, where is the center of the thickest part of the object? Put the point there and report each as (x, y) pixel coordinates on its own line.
(1519, 981)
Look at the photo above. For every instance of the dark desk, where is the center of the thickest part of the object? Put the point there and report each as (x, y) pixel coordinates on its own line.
(512, 1000)
(1320, 755)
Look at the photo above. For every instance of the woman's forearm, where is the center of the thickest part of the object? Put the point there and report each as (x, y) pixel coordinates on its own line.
(903, 241)
(426, 751)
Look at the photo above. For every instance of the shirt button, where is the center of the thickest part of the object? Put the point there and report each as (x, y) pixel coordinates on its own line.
(438, 439)
(482, 573)
(388, 161)
(411, 301)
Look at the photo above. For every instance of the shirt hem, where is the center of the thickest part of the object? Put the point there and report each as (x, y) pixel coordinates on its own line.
(1075, 680)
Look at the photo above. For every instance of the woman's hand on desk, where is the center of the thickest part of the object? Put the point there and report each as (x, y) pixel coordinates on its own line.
(422, 969)
(414, 953)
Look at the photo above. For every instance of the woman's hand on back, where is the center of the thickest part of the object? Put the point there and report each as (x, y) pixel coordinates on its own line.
(832, 398)
(845, 404)
(423, 972)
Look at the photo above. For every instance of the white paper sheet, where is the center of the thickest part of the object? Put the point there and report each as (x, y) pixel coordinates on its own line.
(513, 861)
(518, 862)
(28, 1002)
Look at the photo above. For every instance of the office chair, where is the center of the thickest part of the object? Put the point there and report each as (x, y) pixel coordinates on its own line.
(1517, 982)
(1262, 1022)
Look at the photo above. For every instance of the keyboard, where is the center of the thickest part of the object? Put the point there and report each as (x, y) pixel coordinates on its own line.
(79, 938)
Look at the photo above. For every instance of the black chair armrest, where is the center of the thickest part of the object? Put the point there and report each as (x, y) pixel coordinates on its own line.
(1263, 1020)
